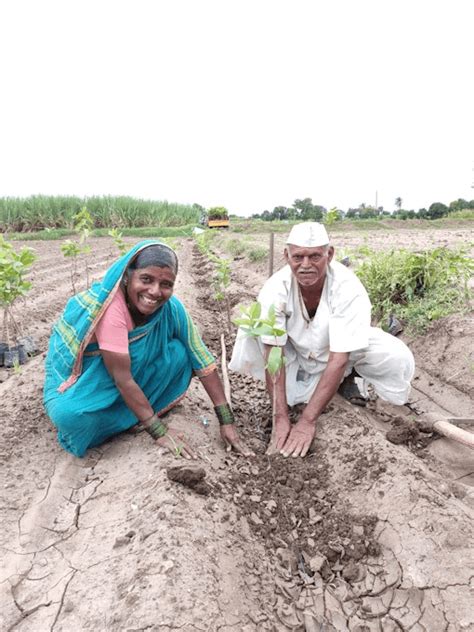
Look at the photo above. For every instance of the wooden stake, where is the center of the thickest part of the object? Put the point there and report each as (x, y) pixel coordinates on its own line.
(225, 375)
(270, 260)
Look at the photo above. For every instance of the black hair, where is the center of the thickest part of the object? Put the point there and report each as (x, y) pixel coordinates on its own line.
(159, 255)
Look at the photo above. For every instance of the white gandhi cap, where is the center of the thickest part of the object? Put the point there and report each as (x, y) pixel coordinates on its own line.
(308, 235)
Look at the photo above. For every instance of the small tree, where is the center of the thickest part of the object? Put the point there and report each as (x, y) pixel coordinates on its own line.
(332, 216)
(118, 240)
(83, 225)
(252, 324)
(13, 268)
(71, 250)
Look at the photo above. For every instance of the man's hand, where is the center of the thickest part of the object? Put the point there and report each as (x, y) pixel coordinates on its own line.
(280, 431)
(176, 445)
(299, 439)
(232, 440)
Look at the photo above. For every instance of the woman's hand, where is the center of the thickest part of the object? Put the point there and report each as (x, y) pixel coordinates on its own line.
(174, 442)
(232, 440)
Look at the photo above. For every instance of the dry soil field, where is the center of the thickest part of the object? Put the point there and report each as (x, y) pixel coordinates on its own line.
(361, 535)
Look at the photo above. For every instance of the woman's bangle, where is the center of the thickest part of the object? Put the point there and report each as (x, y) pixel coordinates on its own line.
(157, 429)
(224, 414)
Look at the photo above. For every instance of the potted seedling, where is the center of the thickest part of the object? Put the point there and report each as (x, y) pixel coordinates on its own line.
(13, 285)
(253, 324)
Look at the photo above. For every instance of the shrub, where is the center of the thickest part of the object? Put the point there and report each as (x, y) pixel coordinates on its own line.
(235, 247)
(14, 266)
(257, 254)
(417, 286)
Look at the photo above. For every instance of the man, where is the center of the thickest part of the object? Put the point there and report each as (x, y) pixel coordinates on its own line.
(325, 311)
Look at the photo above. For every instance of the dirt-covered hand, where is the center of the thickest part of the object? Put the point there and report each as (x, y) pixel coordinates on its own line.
(299, 439)
(174, 442)
(232, 440)
(280, 432)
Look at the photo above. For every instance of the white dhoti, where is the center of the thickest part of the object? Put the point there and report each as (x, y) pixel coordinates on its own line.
(387, 364)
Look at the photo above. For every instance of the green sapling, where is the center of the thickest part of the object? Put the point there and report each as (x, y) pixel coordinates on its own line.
(253, 324)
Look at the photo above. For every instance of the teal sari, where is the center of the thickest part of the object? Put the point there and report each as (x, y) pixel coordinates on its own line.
(81, 397)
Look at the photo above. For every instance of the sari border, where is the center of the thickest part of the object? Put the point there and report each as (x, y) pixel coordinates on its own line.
(172, 404)
(207, 370)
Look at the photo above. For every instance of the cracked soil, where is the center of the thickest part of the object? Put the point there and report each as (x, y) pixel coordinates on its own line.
(363, 535)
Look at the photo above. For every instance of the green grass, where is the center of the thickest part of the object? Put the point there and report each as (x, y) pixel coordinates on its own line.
(150, 231)
(257, 253)
(234, 247)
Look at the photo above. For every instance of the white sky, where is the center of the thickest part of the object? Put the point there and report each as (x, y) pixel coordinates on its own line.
(243, 103)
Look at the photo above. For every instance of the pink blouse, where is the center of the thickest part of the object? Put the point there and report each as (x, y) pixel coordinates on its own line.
(112, 331)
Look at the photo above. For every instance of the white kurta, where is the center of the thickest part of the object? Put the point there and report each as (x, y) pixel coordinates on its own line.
(341, 324)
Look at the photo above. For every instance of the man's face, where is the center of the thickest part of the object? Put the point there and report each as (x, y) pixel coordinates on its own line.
(309, 265)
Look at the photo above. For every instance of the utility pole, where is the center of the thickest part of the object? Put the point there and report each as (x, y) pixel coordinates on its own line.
(376, 199)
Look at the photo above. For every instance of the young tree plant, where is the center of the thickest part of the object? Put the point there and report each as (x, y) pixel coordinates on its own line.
(83, 225)
(13, 268)
(253, 324)
(71, 250)
(118, 240)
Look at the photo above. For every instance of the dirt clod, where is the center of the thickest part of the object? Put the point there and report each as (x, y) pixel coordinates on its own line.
(190, 476)
(402, 432)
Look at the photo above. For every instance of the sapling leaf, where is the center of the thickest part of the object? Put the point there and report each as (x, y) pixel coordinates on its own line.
(255, 310)
(242, 322)
(274, 360)
(271, 316)
(278, 332)
(261, 330)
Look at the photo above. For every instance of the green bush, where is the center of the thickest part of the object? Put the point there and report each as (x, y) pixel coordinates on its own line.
(417, 287)
(257, 254)
(235, 247)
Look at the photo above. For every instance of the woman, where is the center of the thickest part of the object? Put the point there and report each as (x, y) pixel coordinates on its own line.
(124, 352)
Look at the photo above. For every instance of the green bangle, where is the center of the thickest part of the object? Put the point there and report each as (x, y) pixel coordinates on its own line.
(224, 414)
(156, 428)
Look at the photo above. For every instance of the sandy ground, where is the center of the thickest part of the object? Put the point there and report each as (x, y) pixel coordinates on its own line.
(361, 535)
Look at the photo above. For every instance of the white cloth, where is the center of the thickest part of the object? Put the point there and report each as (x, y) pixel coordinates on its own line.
(341, 324)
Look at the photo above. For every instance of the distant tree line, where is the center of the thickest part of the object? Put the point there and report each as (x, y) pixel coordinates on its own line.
(302, 209)
(305, 210)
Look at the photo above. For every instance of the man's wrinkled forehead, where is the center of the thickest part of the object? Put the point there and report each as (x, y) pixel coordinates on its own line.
(306, 252)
